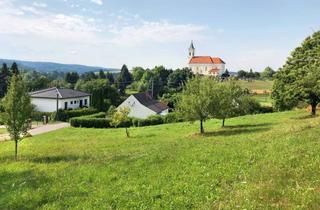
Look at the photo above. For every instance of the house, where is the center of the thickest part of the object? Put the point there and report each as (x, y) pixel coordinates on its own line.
(205, 65)
(51, 99)
(142, 105)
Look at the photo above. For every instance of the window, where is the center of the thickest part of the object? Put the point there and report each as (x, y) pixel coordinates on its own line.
(75, 102)
(71, 102)
(85, 101)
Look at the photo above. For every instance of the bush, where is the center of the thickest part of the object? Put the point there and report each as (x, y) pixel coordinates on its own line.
(38, 116)
(172, 117)
(65, 115)
(152, 120)
(90, 122)
(97, 120)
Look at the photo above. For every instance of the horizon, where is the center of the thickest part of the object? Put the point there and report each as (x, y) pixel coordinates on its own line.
(111, 33)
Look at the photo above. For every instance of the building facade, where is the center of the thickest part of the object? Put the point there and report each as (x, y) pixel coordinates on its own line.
(48, 100)
(205, 65)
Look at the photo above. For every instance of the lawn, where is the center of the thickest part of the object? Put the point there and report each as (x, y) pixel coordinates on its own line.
(257, 162)
(256, 84)
(264, 99)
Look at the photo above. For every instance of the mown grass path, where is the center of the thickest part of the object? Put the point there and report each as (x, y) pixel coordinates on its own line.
(256, 162)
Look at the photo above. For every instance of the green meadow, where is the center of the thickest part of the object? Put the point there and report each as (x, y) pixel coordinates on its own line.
(256, 84)
(256, 162)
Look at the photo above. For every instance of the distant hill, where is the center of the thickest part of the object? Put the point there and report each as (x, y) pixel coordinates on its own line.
(50, 66)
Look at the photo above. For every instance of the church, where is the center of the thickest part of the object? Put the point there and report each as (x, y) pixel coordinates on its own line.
(205, 65)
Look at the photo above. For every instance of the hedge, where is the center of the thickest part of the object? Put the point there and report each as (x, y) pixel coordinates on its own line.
(97, 120)
(65, 115)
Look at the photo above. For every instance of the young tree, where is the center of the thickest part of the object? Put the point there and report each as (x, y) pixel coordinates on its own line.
(18, 108)
(137, 73)
(229, 103)
(121, 117)
(194, 103)
(299, 79)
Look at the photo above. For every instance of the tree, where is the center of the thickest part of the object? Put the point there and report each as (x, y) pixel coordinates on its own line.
(18, 108)
(103, 95)
(194, 103)
(124, 79)
(230, 101)
(110, 77)
(268, 73)
(178, 78)
(72, 78)
(299, 79)
(88, 76)
(102, 75)
(242, 74)
(121, 117)
(4, 80)
(137, 73)
(14, 68)
(35, 80)
(226, 74)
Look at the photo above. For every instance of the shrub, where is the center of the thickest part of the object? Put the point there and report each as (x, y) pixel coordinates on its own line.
(90, 122)
(65, 115)
(97, 120)
(172, 117)
(38, 116)
(152, 120)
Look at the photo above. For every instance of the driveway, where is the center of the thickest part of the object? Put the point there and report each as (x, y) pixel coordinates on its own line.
(39, 130)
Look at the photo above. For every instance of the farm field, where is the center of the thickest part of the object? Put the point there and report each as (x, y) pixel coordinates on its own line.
(262, 161)
(256, 84)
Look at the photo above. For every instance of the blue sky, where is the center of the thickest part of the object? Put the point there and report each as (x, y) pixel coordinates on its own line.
(244, 33)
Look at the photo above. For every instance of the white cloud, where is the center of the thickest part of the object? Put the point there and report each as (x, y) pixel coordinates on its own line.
(29, 9)
(161, 32)
(39, 4)
(99, 2)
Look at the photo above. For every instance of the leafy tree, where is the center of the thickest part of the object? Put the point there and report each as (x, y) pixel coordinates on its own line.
(242, 74)
(18, 108)
(299, 79)
(137, 73)
(103, 95)
(230, 101)
(102, 75)
(194, 103)
(14, 68)
(87, 76)
(4, 80)
(177, 78)
(72, 78)
(124, 79)
(110, 77)
(226, 74)
(268, 73)
(121, 117)
(35, 80)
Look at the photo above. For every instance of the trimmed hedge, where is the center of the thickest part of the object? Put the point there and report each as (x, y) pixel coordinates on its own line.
(97, 120)
(65, 115)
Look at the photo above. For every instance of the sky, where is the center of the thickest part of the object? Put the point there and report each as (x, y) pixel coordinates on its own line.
(109, 33)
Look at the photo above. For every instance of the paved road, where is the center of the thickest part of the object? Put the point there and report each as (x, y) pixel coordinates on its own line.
(40, 130)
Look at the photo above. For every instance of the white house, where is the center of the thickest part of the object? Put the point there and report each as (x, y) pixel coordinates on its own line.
(142, 105)
(51, 99)
(205, 65)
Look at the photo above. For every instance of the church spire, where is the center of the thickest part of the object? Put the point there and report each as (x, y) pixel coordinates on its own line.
(191, 50)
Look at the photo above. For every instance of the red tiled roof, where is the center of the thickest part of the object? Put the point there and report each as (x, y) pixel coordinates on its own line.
(206, 59)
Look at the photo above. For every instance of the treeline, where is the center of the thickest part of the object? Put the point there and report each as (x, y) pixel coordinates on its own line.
(267, 74)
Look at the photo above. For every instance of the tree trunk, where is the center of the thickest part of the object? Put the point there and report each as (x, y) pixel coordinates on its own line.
(223, 122)
(201, 127)
(16, 149)
(127, 133)
(314, 109)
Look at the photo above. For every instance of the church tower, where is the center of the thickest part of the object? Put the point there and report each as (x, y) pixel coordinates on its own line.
(191, 51)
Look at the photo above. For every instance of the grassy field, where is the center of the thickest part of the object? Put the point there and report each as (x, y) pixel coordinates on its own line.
(256, 84)
(257, 162)
(264, 99)
(3, 130)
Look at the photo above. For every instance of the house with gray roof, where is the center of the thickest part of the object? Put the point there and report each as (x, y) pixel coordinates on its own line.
(51, 99)
(142, 105)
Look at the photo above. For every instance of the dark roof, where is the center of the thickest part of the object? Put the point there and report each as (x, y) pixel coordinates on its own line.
(61, 92)
(146, 100)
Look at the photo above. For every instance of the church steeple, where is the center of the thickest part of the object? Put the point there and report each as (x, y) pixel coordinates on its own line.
(191, 50)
